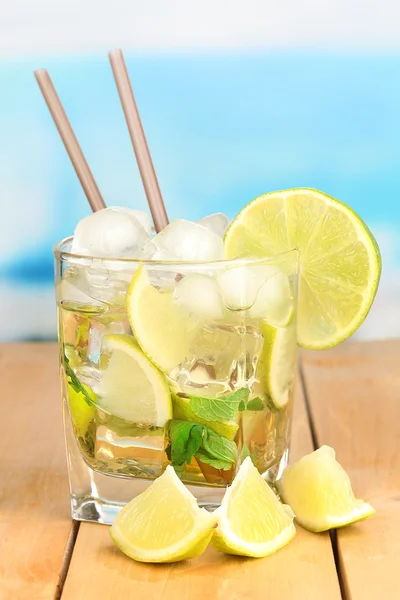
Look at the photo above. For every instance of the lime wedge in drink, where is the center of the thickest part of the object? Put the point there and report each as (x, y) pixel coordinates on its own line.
(277, 364)
(81, 408)
(340, 259)
(131, 387)
(319, 491)
(251, 520)
(163, 329)
(164, 523)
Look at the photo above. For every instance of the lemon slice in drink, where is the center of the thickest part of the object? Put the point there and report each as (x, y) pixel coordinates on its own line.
(319, 491)
(252, 521)
(163, 329)
(164, 523)
(340, 259)
(131, 387)
(277, 364)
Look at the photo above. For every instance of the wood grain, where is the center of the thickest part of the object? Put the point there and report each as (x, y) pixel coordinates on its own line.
(34, 512)
(354, 396)
(303, 570)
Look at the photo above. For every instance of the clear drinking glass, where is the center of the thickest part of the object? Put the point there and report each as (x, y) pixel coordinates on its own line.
(233, 373)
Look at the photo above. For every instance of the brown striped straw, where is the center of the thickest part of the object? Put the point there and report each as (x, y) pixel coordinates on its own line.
(138, 138)
(70, 142)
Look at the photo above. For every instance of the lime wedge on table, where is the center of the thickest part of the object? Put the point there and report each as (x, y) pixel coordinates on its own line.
(340, 259)
(164, 523)
(252, 521)
(131, 387)
(278, 362)
(319, 491)
(163, 329)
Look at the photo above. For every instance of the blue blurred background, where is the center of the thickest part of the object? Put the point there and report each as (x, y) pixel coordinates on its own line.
(236, 100)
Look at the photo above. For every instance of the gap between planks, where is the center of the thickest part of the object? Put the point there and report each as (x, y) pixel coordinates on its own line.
(314, 437)
(69, 548)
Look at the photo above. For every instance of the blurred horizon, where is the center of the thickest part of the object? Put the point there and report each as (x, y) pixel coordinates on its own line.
(225, 123)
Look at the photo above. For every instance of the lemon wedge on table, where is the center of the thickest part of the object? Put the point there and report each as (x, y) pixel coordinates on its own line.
(340, 259)
(164, 523)
(319, 491)
(252, 521)
(163, 329)
(131, 387)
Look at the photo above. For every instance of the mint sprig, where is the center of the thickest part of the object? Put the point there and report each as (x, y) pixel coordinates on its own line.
(224, 408)
(192, 439)
(217, 463)
(186, 439)
(255, 404)
(217, 449)
(74, 382)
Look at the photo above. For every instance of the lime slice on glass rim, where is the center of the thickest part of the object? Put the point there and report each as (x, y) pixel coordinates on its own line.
(339, 257)
(163, 329)
(131, 387)
(252, 521)
(164, 523)
(319, 491)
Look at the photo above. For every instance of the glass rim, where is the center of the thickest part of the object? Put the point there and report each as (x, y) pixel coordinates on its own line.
(61, 254)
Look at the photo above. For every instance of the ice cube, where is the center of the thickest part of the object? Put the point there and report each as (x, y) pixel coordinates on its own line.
(263, 290)
(274, 300)
(69, 291)
(186, 241)
(200, 295)
(140, 215)
(227, 353)
(111, 232)
(218, 223)
(95, 284)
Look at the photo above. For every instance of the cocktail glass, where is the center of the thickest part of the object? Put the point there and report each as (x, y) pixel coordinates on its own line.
(233, 377)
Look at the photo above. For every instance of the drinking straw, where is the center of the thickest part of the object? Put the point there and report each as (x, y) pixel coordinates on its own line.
(138, 138)
(70, 142)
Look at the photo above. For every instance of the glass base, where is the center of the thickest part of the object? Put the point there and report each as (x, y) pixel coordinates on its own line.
(98, 498)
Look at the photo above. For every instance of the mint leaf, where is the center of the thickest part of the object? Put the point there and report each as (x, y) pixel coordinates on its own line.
(223, 408)
(186, 439)
(192, 439)
(213, 462)
(255, 404)
(74, 382)
(219, 448)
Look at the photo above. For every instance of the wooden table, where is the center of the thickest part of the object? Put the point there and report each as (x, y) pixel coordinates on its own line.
(348, 397)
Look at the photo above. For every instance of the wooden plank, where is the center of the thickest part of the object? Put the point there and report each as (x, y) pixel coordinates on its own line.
(34, 515)
(303, 570)
(354, 395)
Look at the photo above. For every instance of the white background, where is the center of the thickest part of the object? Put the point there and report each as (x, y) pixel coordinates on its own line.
(37, 27)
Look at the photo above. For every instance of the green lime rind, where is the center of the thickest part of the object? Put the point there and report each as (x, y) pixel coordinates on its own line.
(340, 258)
(131, 387)
(277, 366)
(162, 328)
(82, 412)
